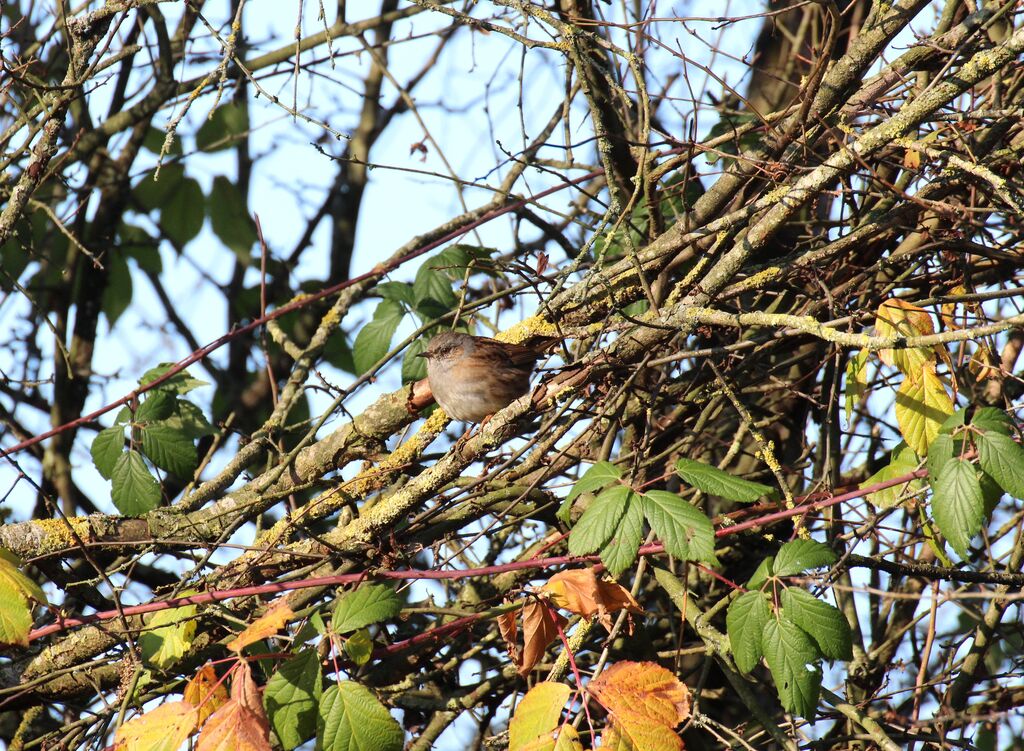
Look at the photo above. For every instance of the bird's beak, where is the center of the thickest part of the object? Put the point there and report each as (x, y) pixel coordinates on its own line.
(423, 354)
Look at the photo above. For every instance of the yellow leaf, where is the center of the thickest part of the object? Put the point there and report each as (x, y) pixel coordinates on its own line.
(12, 576)
(266, 625)
(922, 405)
(896, 317)
(205, 692)
(537, 717)
(645, 703)
(856, 381)
(15, 617)
(235, 727)
(568, 739)
(165, 728)
(169, 635)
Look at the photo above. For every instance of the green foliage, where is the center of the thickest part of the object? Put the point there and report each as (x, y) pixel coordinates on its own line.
(374, 339)
(902, 461)
(600, 520)
(182, 215)
(370, 603)
(794, 632)
(957, 503)
(1002, 458)
(714, 481)
(165, 427)
(230, 219)
(225, 126)
(359, 647)
(619, 553)
(117, 295)
(168, 636)
(152, 194)
(684, 530)
(350, 717)
(291, 698)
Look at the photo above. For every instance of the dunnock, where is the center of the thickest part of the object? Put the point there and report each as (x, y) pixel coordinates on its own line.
(472, 377)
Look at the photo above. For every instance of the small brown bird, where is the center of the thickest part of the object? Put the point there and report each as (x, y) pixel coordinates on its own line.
(472, 377)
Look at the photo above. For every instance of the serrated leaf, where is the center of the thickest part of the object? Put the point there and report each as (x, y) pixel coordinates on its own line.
(582, 592)
(897, 317)
(958, 504)
(943, 448)
(206, 692)
(350, 718)
(117, 295)
(180, 383)
(169, 449)
(990, 419)
(273, 620)
(599, 522)
(230, 218)
(1002, 458)
(236, 726)
(374, 339)
(182, 215)
(825, 624)
(745, 621)
(791, 658)
(764, 570)
(922, 405)
(537, 716)
(598, 476)
(359, 647)
(714, 481)
(224, 127)
(156, 405)
(106, 449)
(619, 553)
(414, 367)
(645, 703)
(684, 530)
(797, 556)
(433, 285)
(152, 194)
(291, 698)
(397, 291)
(15, 617)
(135, 491)
(902, 461)
(368, 604)
(162, 729)
(189, 420)
(856, 381)
(168, 636)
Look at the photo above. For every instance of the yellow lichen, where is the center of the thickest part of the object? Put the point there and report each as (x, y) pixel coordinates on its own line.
(758, 280)
(532, 326)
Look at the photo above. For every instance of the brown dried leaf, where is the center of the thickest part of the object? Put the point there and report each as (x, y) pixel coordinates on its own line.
(541, 625)
(581, 591)
(234, 727)
(509, 631)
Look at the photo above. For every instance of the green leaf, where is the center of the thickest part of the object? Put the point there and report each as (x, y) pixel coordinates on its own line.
(168, 636)
(182, 215)
(370, 603)
(170, 449)
(154, 142)
(117, 295)
(397, 291)
(359, 647)
(374, 339)
(352, 719)
(856, 381)
(956, 420)
(942, 449)
(797, 556)
(106, 449)
(1002, 458)
(153, 194)
(825, 624)
(791, 658)
(179, 383)
(414, 367)
(990, 419)
(135, 242)
(685, 530)
(599, 475)
(224, 127)
(599, 522)
(156, 405)
(714, 481)
(135, 491)
(188, 419)
(765, 569)
(230, 219)
(619, 553)
(958, 504)
(903, 461)
(745, 621)
(433, 285)
(291, 698)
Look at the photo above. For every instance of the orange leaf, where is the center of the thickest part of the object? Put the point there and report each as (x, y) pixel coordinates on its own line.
(266, 625)
(162, 729)
(645, 702)
(540, 627)
(537, 717)
(234, 727)
(509, 633)
(205, 693)
(245, 691)
(580, 591)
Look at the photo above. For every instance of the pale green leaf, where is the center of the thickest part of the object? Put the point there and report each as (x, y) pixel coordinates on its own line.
(684, 530)
(351, 718)
(797, 556)
(291, 698)
(599, 522)
(958, 504)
